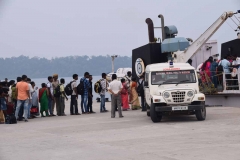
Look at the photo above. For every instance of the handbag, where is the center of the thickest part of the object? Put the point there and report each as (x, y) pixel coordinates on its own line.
(34, 110)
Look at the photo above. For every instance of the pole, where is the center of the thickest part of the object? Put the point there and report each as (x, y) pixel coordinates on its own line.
(162, 26)
(112, 64)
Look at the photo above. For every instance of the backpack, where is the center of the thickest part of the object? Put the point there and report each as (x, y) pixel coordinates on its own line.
(140, 88)
(57, 92)
(80, 87)
(10, 119)
(68, 89)
(220, 67)
(98, 86)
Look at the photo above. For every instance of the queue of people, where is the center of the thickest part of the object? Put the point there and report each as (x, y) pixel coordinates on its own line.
(20, 101)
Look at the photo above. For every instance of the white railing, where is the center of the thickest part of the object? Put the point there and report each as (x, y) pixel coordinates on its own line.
(230, 85)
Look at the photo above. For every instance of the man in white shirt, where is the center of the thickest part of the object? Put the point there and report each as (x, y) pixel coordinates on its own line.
(50, 97)
(103, 92)
(115, 88)
(74, 97)
(30, 97)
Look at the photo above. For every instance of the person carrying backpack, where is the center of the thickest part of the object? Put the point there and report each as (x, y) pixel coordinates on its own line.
(62, 98)
(140, 90)
(84, 88)
(104, 85)
(74, 96)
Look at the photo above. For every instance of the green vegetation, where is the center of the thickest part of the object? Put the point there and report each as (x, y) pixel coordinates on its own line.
(64, 66)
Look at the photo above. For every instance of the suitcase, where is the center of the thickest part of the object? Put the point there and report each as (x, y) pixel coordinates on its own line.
(10, 108)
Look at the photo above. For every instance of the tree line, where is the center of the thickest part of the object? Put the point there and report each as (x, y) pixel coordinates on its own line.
(64, 66)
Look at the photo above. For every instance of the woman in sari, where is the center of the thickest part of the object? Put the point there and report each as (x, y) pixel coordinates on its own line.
(43, 99)
(134, 101)
(206, 74)
(124, 95)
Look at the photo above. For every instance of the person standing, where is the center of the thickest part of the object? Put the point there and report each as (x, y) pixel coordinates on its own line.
(104, 85)
(14, 97)
(30, 97)
(141, 92)
(35, 103)
(124, 95)
(50, 96)
(10, 84)
(84, 96)
(213, 69)
(43, 100)
(22, 92)
(115, 88)
(74, 97)
(128, 79)
(56, 100)
(225, 64)
(90, 96)
(3, 103)
(134, 101)
(62, 98)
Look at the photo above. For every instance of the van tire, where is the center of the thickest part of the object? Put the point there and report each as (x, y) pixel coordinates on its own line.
(201, 114)
(155, 116)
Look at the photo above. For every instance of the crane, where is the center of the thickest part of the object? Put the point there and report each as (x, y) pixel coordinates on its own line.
(183, 56)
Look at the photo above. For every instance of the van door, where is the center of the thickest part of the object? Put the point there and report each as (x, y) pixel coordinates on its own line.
(147, 90)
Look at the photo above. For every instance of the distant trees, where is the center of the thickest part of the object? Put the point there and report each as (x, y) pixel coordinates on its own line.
(65, 66)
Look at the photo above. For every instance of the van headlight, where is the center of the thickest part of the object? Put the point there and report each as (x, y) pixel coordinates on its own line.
(190, 93)
(166, 95)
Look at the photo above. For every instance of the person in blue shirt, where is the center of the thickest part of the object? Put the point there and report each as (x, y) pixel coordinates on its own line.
(84, 97)
(226, 64)
(213, 68)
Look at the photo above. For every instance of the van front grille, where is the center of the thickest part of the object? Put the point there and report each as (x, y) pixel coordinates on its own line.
(178, 96)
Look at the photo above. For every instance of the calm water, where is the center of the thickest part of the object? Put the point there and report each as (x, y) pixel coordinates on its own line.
(39, 81)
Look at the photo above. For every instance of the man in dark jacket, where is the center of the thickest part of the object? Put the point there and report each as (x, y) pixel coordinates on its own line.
(90, 95)
(141, 92)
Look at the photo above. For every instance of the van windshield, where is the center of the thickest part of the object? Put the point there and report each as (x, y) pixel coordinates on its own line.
(173, 77)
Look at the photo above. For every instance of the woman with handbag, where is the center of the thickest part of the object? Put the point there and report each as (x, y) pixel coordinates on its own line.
(124, 95)
(35, 105)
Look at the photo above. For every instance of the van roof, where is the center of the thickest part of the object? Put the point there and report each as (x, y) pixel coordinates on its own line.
(166, 67)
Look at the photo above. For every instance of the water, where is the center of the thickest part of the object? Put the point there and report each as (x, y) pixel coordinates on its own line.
(39, 81)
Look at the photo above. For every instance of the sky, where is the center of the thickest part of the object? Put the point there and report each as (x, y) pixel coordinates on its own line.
(59, 28)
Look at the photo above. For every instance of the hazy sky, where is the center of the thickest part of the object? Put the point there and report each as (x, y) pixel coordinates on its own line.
(56, 28)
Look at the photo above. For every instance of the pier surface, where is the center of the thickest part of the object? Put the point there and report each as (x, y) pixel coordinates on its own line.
(98, 137)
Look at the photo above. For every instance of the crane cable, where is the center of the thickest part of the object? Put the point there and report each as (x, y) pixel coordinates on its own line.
(236, 24)
(230, 26)
(236, 18)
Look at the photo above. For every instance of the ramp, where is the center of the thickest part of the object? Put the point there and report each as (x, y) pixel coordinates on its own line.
(223, 99)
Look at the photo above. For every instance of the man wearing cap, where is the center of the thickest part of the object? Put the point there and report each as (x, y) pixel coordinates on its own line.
(55, 83)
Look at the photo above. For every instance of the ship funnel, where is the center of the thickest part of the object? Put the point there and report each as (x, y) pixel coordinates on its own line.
(150, 30)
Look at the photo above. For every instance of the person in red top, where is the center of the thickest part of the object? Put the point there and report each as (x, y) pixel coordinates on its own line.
(22, 94)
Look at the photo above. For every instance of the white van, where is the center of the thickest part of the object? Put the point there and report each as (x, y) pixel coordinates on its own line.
(173, 89)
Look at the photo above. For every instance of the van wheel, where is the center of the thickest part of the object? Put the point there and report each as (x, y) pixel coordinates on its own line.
(201, 114)
(155, 116)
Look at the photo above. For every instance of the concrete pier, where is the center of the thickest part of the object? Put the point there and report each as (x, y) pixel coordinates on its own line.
(98, 137)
